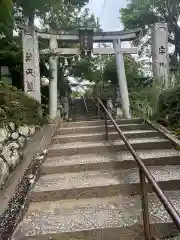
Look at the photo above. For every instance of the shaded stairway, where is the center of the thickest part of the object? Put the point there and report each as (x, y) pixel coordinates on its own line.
(89, 188)
(84, 109)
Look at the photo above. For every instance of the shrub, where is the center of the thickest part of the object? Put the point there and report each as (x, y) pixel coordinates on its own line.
(144, 102)
(17, 107)
(160, 102)
(169, 107)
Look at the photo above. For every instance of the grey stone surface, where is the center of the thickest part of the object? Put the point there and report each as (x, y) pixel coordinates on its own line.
(10, 143)
(21, 140)
(4, 172)
(90, 214)
(1, 147)
(55, 182)
(99, 204)
(13, 145)
(15, 135)
(109, 157)
(4, 135)
(99, 122)
(23, 130)
(102, 134)
(106, 144)
(11, 155)
(96, 136)
(32, 130)
(12, 126)
(92, 129)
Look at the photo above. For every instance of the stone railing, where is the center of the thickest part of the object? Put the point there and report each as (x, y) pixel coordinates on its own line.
(12, 142)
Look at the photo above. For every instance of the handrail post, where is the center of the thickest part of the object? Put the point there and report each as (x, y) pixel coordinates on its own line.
(145, 209)
(85, 104)
(106, 127)
(99, 114)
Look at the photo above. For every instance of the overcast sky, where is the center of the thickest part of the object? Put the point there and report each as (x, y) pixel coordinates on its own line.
(108, 11)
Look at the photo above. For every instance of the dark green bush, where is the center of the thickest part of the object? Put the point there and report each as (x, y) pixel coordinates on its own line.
(17, 107)
(169, 107)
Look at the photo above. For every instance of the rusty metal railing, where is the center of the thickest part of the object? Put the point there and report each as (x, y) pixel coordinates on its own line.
(143, 175)
(85, 104)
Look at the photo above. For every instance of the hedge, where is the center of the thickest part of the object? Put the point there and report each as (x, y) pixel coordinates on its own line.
(169, 107)
(17, 107)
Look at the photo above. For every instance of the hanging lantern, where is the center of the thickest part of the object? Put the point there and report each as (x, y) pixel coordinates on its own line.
(79, 57)
(73, 58)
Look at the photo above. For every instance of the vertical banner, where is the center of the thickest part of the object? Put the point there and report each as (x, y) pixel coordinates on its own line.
(86, 41)
(31, 65)
(160, 57)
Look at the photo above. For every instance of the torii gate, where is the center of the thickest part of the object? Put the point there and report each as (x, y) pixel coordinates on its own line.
(31, 59)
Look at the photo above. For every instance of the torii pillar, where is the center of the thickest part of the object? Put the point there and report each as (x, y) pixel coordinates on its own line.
(122, 79)
(53, 81)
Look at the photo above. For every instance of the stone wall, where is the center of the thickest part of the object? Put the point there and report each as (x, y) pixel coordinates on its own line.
(12, 142)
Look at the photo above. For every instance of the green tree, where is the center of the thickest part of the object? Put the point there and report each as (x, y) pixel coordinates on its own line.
(27, 10)
(70, 18)
(88, 68)
(6, 19)
(134, 73)
(143, 13)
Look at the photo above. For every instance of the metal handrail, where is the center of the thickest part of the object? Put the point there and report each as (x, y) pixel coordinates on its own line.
(144, 173)
(85, 104)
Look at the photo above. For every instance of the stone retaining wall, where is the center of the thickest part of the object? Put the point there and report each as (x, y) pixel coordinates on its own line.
(12, 142)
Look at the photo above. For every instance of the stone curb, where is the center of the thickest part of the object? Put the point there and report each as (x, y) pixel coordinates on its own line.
(17, 202)
(166, 133)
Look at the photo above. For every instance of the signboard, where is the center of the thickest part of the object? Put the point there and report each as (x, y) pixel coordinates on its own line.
(86, 41)
(31, 65)
(160, 55)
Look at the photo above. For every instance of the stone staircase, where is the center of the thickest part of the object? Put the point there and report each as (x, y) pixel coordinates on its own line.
(80, 112)
(89, 188)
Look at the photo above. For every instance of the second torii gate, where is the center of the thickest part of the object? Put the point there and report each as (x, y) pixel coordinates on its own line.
(31, 60)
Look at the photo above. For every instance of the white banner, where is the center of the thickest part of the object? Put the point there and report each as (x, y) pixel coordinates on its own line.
(31, 65)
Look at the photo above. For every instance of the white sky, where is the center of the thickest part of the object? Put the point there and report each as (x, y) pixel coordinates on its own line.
(108, 12)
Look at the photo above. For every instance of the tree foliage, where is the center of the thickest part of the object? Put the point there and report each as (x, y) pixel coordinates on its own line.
(52, 14)
(27, 10)
(17, 107)
(6, 18)
(70, 18)
(133, 69)
(88, 69)
(143, 13)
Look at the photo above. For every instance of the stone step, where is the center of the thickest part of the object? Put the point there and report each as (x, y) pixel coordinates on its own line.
(82, 118)
(105, 161)
(73, 148)
(102, 183)
(101, 122)
(116, 217)
(101, 136)
(101, 128)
